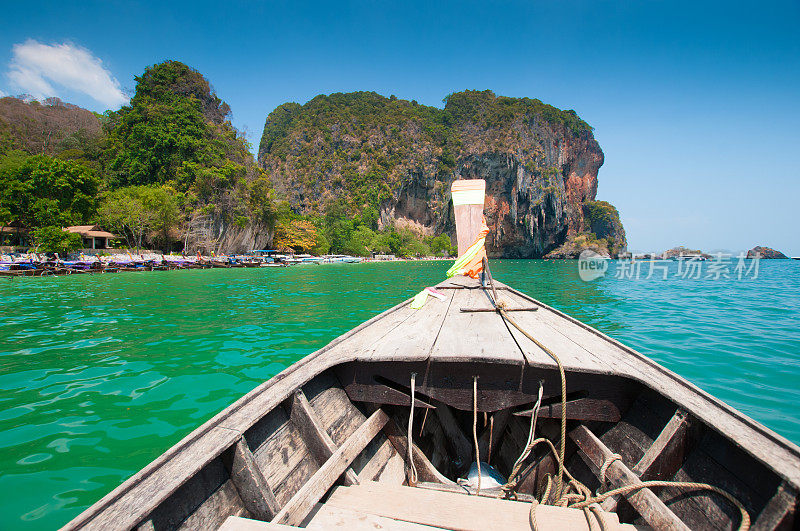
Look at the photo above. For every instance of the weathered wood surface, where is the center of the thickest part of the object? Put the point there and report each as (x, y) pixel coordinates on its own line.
(282, 454)
(298, 507)
(425, 469)
(316, 438)
(255, 492)
(469, 217)
(664, 457)
(375, 465)
(466, 337)
(649, 506)
(451, 510)
(584, 409)
(131, 502)
(462, 447)
(223, 503)
(413, 340)
(330, 517)
(237, 523)
(780, 511)
(464, 489)
(208, 496)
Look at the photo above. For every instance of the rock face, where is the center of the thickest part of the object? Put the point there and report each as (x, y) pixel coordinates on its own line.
(398, 159)
(216, 233)
(765, 252)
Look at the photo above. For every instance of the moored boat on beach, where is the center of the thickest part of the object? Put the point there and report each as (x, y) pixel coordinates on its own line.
(340, 258)
(392, 424)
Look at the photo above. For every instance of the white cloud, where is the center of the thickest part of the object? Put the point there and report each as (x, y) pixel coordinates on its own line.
(35, 68)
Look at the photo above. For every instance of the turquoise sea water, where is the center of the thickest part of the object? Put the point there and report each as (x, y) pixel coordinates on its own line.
(101, 374)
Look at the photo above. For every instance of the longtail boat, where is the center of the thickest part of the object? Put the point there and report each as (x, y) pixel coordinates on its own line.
(522, 418)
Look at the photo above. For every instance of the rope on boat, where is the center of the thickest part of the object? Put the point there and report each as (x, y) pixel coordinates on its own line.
(576, 495)
(412, 470)
(475, 430)
(511, 484)
(604, 469)
(491, 438)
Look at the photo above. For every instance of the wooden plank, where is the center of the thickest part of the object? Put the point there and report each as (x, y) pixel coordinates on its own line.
(462, 448)
(346, 424)
(664, 457)
(451, 510)
(468, 216)
(330, 405)
(237, 523)
(547, 331)
(131, 502)
(315, 488)
(297, 477)
(316, 438)
(255, 492)
(649, 506)
(779, 512)
(372, 468)
(413, 340)
(464, 489)
(360, 345)
(329, 517)
(584, 409)
(223, 503)
(463, 338)
(425, 469)
(190, 496)
(394, 472)
(281, 453)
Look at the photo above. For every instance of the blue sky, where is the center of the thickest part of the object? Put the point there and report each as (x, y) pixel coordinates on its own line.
(695, 104)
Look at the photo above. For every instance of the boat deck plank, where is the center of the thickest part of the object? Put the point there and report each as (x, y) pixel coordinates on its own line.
(540, 325)
(462, 337)
(450, 510)
(413, 340)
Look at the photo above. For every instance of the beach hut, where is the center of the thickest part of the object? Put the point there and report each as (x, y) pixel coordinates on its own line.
(93, 237)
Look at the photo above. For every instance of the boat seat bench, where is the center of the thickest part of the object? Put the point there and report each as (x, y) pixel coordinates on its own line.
(374, 505)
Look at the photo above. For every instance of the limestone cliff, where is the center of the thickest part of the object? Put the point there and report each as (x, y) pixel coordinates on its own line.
(399, 158)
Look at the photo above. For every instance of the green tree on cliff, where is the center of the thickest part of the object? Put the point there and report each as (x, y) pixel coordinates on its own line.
(41, 191)
(137, 211)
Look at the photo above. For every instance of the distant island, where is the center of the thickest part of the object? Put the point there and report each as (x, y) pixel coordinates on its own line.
(355, 173)
(765, 252)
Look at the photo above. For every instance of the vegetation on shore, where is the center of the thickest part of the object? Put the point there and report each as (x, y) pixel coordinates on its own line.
(171, 159)
(148, 170)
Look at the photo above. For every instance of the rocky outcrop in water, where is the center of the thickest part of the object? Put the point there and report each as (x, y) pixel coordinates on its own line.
(398, 159)
(765, 252)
